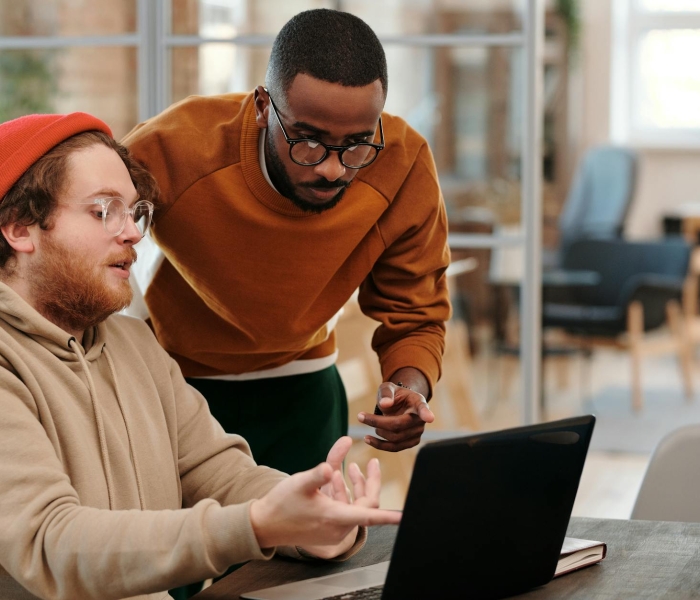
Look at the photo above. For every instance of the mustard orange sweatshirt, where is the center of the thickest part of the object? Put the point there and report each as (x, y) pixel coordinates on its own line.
(115, 480)
(249, 280)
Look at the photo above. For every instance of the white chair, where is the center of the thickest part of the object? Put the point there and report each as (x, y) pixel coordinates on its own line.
(671, 487)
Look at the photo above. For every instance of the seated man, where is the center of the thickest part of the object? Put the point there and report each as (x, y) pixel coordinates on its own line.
(115, 481)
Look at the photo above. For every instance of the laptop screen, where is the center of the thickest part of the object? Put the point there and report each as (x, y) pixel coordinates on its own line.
(486, 515)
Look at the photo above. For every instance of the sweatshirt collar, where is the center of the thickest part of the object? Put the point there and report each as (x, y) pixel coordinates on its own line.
(261, 156)
(257, 179)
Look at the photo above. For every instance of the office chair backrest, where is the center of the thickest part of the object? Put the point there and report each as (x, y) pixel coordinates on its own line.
(671, 487)
(621, 263)
(599, 197)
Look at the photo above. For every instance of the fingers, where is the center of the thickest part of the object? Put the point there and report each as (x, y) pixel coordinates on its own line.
(354, 514)
(340, 491)
(416, 404)
(373, 483)
(392, 424)
(398, 432)
(358, 482)
(396, 436)
(337, 454)
(387, 446)
(297, 512)
(425, 413)
(378, 516)
(404, 401)
(310, 481)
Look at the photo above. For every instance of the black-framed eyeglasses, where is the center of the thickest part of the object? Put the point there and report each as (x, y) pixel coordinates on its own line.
(308, 152)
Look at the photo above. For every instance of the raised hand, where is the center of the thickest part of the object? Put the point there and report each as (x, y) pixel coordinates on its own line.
(313, 510)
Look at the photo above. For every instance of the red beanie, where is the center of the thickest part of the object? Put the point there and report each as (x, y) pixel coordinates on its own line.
(25, 140)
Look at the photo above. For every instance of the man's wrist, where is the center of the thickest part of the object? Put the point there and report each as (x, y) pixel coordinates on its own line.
(412, 379)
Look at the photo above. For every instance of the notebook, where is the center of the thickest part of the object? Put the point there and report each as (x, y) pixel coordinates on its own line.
(577, 554)
(471, 499)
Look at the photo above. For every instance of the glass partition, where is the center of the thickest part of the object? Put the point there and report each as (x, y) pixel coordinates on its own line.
(228, 18)
(67, 17)
(100, 81)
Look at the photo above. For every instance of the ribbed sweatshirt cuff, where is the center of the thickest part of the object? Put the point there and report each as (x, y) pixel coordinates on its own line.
(413, 356)
(232, 537)
(300, 554)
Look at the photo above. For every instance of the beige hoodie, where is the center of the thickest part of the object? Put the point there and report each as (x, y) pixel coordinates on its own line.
(101, 447)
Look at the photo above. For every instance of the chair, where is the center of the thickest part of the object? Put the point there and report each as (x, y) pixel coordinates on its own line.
(639, 289)
(595, 207)
(598, 199)
(671, 487)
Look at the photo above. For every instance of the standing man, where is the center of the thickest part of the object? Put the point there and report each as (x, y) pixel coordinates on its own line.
(277, 206)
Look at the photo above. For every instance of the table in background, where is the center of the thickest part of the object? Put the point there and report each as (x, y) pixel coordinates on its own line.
(646, 559)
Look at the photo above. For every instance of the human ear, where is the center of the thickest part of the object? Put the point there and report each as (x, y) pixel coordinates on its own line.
(262, 102)
(18, 236)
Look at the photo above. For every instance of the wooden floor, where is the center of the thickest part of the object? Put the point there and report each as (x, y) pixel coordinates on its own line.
(610, 481)
(609, 485)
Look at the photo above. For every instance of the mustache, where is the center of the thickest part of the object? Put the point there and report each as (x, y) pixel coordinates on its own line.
(129, 255)
(324, 184)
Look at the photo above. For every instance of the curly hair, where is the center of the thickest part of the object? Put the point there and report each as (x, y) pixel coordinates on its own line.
(34, 197)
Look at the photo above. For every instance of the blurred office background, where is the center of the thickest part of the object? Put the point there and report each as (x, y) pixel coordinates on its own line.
(614, 72)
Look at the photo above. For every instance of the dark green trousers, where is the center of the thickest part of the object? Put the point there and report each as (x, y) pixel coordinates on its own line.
(289, 422)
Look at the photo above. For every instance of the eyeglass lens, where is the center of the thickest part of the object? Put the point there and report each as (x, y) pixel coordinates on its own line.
(116, 213)
(311, 152)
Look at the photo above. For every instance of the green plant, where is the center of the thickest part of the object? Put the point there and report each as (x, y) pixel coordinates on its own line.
(569, 10)
(27, 83)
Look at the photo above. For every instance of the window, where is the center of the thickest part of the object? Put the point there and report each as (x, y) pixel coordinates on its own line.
(65, 55)
(656, 73)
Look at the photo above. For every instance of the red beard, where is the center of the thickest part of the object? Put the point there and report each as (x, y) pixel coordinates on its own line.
(72, 292)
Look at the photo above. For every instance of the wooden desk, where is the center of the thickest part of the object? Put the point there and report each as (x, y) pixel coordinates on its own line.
(646, 559)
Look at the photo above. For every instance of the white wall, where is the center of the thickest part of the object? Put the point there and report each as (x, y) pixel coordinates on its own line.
(667, 178)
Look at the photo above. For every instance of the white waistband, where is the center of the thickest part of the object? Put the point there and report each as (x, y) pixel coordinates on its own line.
(296, 367)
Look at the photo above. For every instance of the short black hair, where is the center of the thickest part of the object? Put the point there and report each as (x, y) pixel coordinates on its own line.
(329, 45)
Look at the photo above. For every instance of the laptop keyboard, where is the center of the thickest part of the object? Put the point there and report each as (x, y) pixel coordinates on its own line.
(371, 593)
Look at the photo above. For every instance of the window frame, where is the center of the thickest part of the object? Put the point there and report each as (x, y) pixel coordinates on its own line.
(630, 23)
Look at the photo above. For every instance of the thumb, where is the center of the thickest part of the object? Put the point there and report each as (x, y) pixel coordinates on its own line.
(385, 391)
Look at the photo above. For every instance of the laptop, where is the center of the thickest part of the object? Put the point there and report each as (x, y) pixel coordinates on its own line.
(485, 517)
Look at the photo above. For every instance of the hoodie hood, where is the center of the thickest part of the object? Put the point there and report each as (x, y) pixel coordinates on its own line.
(20, 315)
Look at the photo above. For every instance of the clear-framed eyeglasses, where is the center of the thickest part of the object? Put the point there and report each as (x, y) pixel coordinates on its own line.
(308, 152)
(114, 213)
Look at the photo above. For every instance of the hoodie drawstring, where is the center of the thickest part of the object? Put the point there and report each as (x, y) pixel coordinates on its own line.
(73, 344)
(113, 371)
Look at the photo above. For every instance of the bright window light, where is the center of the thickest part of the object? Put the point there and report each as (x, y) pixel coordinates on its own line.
(670, 5)
(655, 73)
(669, 78)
